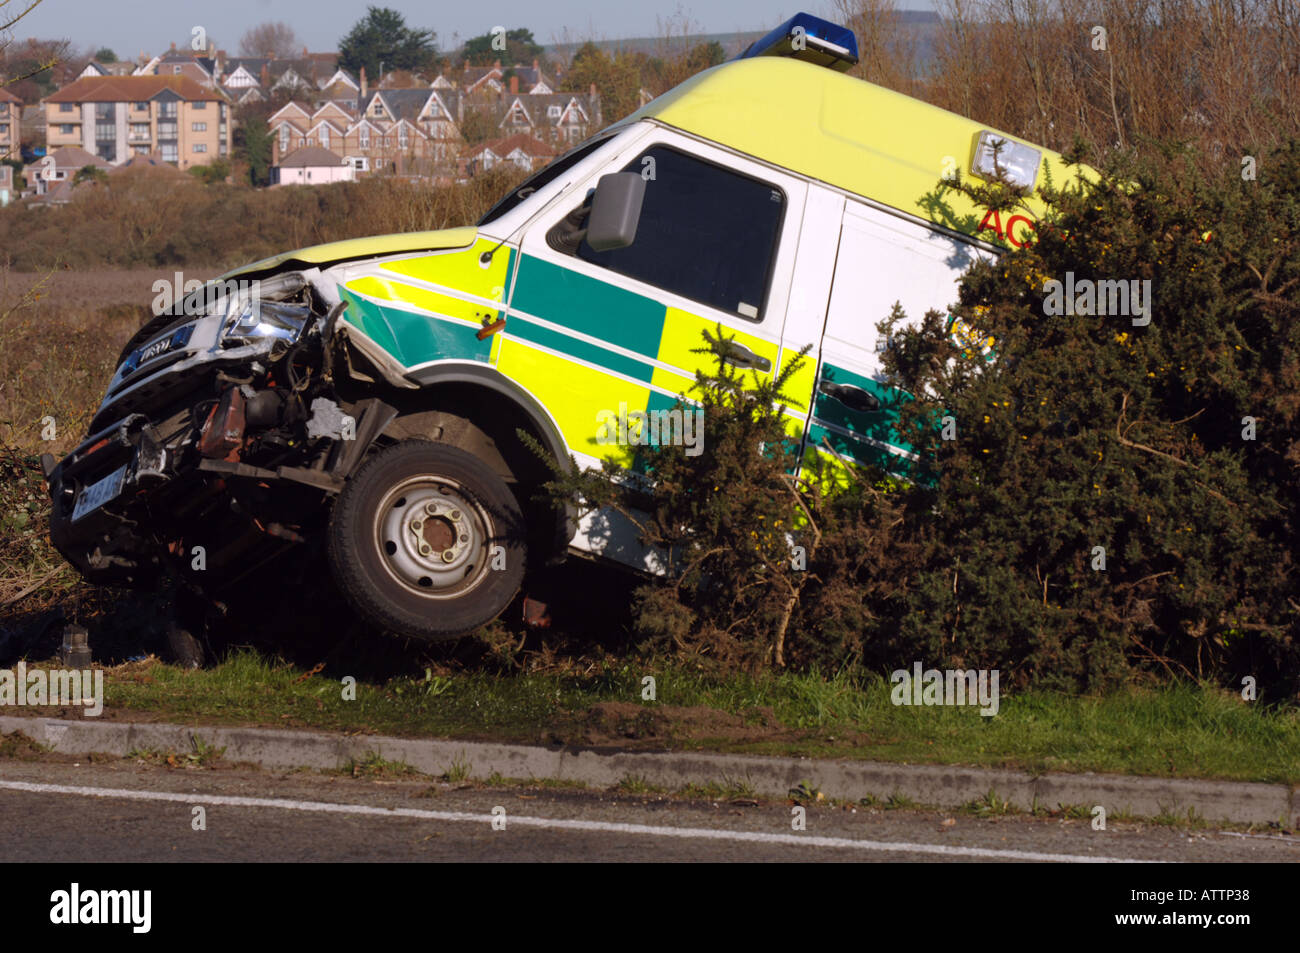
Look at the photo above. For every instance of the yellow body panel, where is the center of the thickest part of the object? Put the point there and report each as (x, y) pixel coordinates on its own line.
(363, 247)
(580, 389)
(463, 271)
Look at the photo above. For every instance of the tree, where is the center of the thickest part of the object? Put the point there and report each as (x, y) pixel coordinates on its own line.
(519, 47)
(105, 55)
(617, 79)
(253, 144)
(382, 37)
(216, 171)
(89, 173)
(276, 40)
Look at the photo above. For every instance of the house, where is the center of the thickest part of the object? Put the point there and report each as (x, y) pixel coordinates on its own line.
(311, 166)
(520, 149)
(96, 68)
(7, 192)
(407, 131)
(201, 69)
(11, 117)
(58, 168)
(496, 78)
(311, 76)
(116, 117)
(560, 119)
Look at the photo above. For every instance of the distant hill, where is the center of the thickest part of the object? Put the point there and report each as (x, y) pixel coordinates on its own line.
(923, 24)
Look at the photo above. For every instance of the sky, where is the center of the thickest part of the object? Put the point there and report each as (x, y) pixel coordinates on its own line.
(130, 26)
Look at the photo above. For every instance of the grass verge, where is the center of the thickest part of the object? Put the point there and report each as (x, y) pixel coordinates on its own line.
(1179, 731)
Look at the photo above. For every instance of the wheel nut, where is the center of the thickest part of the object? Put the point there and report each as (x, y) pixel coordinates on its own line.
(464, 537)
(417, 525)
(448, 555)
(425, 549)
(455, 514)
(431, 508)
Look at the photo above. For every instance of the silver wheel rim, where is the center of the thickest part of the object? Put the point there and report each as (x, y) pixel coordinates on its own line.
(432, 537)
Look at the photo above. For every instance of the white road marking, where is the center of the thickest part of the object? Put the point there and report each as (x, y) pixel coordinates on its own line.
(696, 833)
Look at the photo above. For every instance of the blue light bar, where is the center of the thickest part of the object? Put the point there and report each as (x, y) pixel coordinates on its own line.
(811, 39)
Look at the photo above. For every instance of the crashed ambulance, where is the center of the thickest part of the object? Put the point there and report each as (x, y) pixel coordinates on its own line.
(364, 397)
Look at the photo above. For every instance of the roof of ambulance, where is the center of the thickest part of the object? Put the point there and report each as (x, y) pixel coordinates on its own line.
(846, 132)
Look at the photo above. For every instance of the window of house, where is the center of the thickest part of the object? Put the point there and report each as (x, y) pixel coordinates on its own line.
(402, 139)
(365, 139)
(705, 233)
(200, 147)
(4, 128)
(169, 152)
(167, 110)
(66, 129)
(199, 104)
(140, 107)
(139, 130)
(65, 107)
(198, 127)
(553, 112)
(324, 137)
(284, 138)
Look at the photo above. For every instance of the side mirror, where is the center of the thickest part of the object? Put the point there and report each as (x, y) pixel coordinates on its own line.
(615, 211)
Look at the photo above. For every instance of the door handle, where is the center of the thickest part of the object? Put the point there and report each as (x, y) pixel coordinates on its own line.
(740, 356)
(852, 397)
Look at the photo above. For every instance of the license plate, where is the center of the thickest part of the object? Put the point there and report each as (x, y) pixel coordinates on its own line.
(99, 493)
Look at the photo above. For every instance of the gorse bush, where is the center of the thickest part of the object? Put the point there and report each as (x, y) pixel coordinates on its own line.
(1118, 501)
(721, 514)
(1120, 495)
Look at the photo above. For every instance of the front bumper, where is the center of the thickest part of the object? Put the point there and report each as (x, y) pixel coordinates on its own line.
(105, 543)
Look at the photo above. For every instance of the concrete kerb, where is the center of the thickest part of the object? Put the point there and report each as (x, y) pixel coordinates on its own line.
(945, 786)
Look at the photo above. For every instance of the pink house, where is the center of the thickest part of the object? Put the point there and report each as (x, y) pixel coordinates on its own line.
(312, 165)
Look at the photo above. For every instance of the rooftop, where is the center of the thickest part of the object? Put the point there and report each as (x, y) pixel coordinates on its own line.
(840, 130)
(128, 89)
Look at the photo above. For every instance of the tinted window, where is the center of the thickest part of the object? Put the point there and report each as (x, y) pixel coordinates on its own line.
(705, 233)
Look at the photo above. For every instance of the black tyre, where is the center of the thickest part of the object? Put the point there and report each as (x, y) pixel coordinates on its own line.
(186, 630)
(426, 540)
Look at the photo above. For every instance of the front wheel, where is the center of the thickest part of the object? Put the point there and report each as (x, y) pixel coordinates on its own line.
(427, 540)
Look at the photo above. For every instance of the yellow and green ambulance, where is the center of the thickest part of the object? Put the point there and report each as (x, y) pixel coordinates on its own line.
(369, 393)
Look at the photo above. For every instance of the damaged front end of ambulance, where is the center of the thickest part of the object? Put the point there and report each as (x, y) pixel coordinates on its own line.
(235, 421)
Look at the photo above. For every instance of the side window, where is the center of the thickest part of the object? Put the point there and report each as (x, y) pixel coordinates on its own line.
(706, 233)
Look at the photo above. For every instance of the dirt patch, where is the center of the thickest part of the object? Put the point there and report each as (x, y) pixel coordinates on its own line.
(16, 746)
(623, 722)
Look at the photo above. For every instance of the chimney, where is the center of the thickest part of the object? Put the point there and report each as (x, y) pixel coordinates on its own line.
(304, 52)
(173, 46)
(593, 89)
(363, 82)
(266, 75)
(514, 85)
